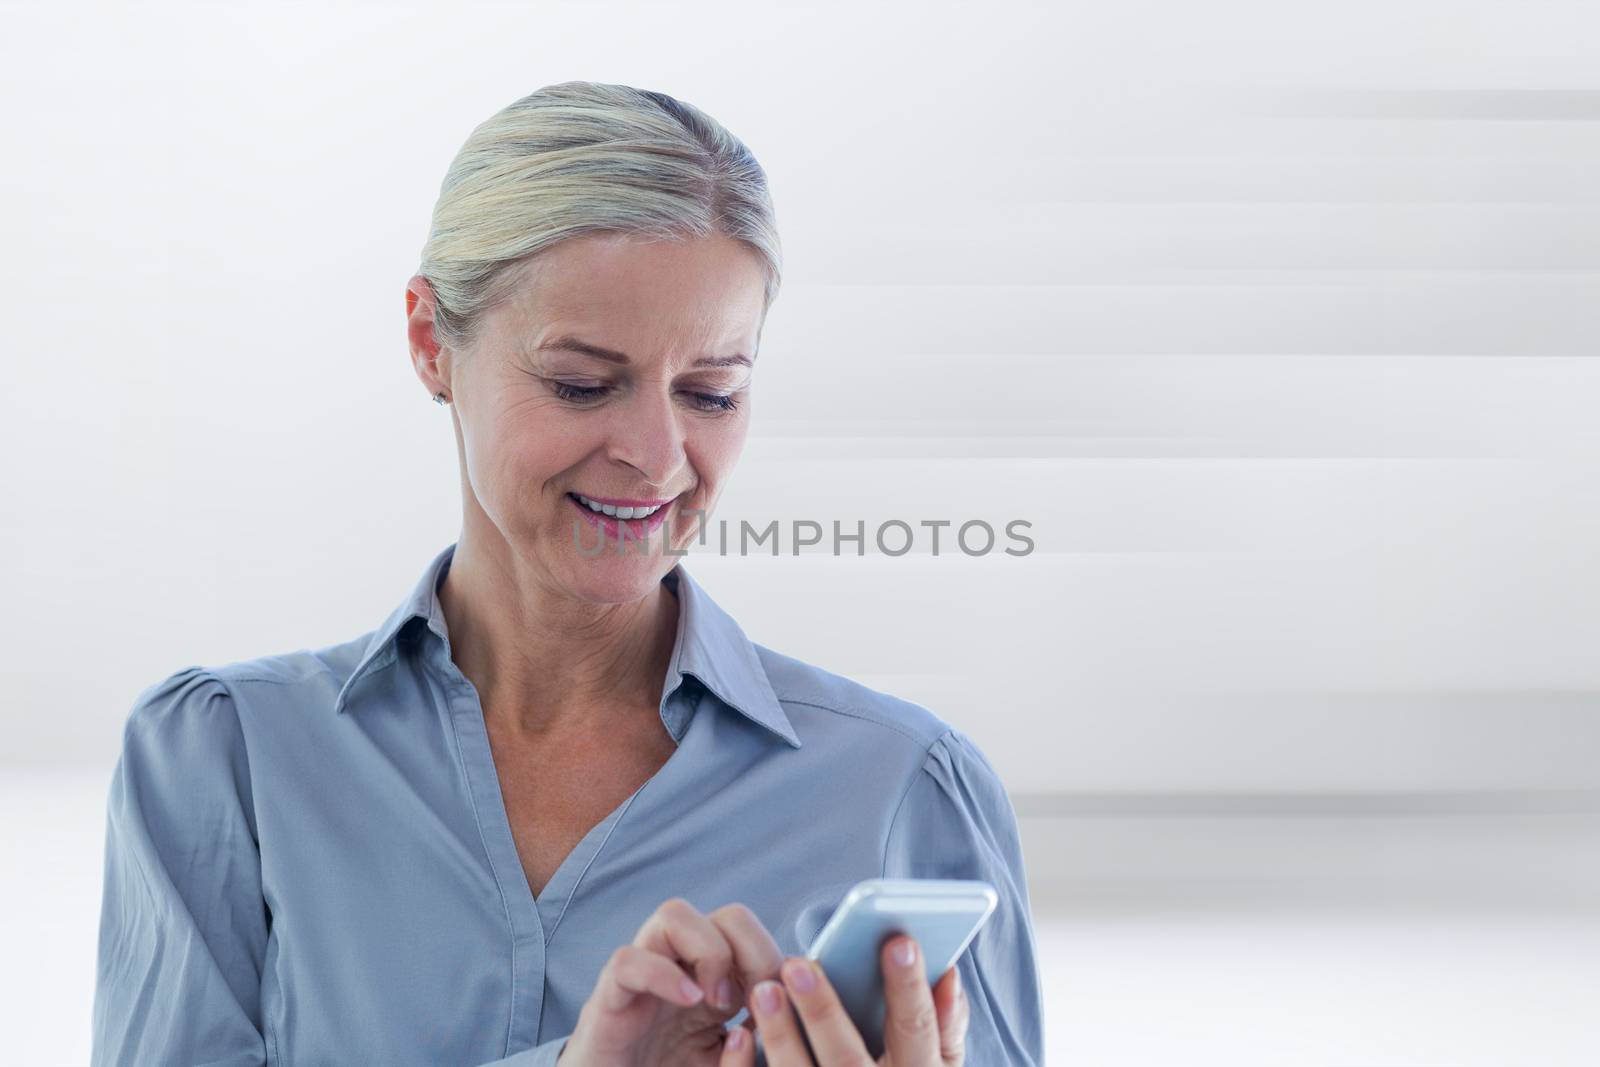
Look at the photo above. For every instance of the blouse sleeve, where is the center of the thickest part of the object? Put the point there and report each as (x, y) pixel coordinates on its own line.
(183, 925)
(183, 922)
(956, 821)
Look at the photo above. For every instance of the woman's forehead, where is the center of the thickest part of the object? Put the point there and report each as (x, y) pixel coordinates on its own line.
(606, 272)
(698, 306)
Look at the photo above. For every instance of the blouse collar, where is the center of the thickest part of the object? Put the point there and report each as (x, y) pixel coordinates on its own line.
(710, 646)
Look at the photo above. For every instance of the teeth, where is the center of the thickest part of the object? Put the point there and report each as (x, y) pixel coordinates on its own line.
(618, 513)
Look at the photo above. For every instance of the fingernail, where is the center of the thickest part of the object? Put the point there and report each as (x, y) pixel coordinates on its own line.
(956, 982)
(767, 996)
(800, 975)
(905, 953)
(736, 1038)
(724, 994)
(690, 991)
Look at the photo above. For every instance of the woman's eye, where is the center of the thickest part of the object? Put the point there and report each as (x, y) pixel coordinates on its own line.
(578, 393)
(715, 402)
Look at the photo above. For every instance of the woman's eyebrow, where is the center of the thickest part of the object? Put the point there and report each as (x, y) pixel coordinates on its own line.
(573, 344)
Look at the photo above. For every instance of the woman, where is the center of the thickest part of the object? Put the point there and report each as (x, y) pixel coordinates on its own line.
(557, 805)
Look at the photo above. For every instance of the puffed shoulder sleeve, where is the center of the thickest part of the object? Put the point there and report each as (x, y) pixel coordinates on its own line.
(183, 924)
(956, 821)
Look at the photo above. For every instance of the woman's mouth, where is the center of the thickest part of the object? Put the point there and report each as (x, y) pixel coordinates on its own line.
(640, 521)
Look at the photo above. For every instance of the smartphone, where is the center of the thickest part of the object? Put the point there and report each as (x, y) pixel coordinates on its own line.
(944, 915)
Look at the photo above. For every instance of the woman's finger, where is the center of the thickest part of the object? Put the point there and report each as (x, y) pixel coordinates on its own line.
(632, 971)
(833, 1035)
(738, 1048)
(910, 1024)
(756, 954)
(954, 1014)
(677, 930)
(784, 1044)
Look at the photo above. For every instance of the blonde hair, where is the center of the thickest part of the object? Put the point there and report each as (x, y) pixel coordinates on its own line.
(579, 158)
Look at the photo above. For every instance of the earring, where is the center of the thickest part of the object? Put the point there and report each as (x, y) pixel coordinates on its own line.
(439, 397)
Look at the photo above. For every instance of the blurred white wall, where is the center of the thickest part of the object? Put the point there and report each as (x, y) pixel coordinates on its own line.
(1274, 320)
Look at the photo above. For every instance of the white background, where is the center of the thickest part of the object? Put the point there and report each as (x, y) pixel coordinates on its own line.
(1274, 319)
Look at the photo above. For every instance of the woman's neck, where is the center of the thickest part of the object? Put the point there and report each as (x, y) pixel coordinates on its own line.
(544, 663)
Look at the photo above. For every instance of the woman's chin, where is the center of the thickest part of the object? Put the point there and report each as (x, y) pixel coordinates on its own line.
(609, 564)
(618, 577)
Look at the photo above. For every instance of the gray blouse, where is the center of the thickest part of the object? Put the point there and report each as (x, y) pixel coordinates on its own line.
(308, 860)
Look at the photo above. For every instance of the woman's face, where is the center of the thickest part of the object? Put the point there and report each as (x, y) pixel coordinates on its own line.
(539, 420)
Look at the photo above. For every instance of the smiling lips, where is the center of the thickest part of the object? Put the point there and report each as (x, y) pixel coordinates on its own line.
(622, 508)
(611, 520)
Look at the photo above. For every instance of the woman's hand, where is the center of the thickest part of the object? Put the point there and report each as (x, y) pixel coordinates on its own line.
(646, 1009)
(923, 1026)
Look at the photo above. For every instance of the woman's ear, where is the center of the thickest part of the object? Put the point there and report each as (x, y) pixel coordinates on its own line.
(430, 359)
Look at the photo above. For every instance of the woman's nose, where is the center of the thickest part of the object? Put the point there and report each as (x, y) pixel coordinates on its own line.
(647, 434)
